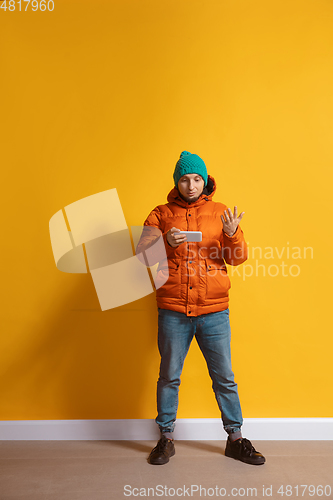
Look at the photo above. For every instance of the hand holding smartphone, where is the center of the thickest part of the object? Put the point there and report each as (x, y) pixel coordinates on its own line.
(192, 236)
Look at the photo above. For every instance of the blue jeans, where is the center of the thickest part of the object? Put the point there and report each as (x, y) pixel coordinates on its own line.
(212, 332)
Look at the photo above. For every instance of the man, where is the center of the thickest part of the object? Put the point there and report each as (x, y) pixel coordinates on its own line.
(194, 300)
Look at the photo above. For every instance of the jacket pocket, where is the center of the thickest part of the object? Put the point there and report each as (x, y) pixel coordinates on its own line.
(217, 280)
(167, 281)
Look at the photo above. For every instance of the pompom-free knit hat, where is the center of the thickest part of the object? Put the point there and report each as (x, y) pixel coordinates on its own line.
(189, 163)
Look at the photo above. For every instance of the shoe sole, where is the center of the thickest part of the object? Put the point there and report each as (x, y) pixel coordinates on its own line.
(162, 463)
(246, 461)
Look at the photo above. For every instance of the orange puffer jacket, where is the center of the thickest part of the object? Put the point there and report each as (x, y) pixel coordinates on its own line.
(198, 282)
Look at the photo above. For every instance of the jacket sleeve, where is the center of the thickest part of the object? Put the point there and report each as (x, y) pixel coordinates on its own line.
(234, 248)
(153, 244)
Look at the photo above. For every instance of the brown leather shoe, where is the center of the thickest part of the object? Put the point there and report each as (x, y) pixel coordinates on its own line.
(242, 450)
(162, 452)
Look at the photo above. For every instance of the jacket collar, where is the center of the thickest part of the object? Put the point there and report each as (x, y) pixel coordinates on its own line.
(207, 195)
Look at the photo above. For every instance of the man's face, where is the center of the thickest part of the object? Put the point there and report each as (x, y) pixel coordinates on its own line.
(191, 186)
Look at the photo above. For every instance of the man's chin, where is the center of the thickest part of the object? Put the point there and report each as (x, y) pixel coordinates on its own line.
(190, 199)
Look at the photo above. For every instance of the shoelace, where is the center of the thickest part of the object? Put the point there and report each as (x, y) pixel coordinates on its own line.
(161, 445)
(247, 446)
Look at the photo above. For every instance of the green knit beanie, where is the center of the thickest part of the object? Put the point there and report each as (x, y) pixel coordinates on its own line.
(189, 163)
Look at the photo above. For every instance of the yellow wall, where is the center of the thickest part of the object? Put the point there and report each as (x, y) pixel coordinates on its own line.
(106, 94)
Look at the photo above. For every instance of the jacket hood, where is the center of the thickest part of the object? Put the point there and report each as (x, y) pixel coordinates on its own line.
(206, 195)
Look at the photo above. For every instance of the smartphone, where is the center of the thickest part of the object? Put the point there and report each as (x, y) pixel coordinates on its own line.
(192, 235)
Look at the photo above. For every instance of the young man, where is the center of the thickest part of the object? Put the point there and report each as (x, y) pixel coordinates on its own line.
(194, 300)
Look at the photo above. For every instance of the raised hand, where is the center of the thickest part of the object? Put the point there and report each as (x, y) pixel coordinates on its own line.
(231, 221)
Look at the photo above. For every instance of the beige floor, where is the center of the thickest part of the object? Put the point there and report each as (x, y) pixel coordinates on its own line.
(99, 470)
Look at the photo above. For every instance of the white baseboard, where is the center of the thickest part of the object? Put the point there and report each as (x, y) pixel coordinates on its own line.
(307, 429)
